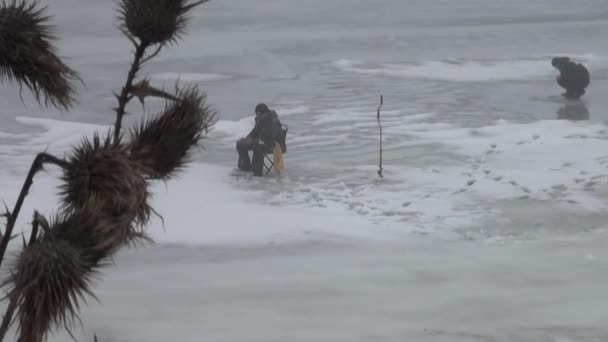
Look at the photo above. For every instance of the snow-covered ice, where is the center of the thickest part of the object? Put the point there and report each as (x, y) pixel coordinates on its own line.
(489, 223)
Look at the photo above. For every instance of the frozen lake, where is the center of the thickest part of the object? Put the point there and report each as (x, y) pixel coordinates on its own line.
(490, 223)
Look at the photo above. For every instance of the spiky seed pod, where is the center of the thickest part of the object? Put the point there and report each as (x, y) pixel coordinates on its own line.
(53, 273)
(163, 144)
(102, 171)
(156, 21)
(28, 57)
(98, 235)
(48, 280)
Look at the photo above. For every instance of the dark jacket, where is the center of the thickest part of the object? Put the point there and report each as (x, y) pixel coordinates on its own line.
(267, 128)
(573, 77)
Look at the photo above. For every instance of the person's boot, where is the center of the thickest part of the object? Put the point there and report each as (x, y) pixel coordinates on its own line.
(244, 164)
(257, 164)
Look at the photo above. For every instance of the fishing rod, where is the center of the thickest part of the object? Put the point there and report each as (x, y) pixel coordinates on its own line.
(380, 126)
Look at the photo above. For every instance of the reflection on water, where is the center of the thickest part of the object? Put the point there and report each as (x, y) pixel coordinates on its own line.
(573, 111)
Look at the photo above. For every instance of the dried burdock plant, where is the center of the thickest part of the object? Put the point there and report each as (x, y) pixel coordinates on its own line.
(28, 57)
(90, 228)
(101, 170)
(105, 182)
(156, 21)
(47, 283)
(53, 273)
(164, 143)
(146, 23)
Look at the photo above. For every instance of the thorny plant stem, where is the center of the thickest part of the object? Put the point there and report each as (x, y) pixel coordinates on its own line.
(8, 317)
(124, 97)
(11, 218)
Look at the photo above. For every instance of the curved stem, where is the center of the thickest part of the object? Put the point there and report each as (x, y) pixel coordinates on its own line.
(11, 217)
(124, 98)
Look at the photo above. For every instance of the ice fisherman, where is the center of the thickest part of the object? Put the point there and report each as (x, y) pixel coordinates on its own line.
(573, 77)
(261, 140)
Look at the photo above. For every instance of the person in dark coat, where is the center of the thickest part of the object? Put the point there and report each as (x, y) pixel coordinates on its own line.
(573, 77)
(261, 140)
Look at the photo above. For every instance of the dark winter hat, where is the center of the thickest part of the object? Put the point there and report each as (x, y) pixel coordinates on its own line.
(557, 61)
(261, 108)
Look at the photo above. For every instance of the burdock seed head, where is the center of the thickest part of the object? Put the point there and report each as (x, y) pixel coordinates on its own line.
(156, 21)
(101, 170)
(28, 57)
(48, 280)
(164, 143)
(99, 236)
(51, 275)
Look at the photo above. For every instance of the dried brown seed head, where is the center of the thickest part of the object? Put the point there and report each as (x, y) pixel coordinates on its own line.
(98, 235)
(28, 57)
(164, 143)
(48, 280)
(102, 171)
(156, 21)
(54, 273)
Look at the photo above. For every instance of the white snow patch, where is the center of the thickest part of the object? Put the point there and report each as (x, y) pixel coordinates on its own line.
(562, 163)
(463, 71)
(203, 206)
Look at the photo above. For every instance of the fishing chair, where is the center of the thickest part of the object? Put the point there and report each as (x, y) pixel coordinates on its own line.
(268, 160)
